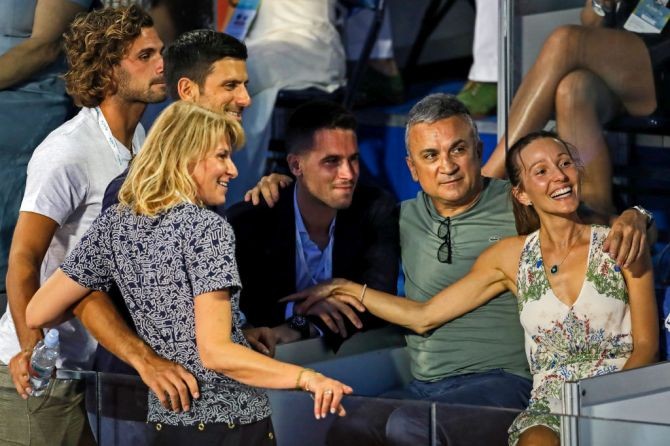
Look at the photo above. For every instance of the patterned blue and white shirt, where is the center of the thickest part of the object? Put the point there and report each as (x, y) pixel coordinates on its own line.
(161, 264)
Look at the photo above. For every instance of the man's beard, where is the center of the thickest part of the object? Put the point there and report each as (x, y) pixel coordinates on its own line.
(148, 96)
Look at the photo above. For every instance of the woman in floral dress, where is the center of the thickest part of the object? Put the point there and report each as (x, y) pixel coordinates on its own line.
(582, 314)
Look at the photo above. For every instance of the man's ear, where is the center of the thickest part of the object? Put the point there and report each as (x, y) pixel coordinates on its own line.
(293, 161)
(480, 149)
(187, 90)
(113, 86)
(411, 167)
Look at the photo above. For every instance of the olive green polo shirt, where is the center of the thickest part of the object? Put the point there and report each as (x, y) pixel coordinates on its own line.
(489, 337)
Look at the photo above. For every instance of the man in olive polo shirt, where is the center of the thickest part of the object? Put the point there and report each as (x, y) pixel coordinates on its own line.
(477, 359)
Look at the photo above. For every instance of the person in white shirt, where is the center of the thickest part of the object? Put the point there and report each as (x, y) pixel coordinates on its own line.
(114, 72)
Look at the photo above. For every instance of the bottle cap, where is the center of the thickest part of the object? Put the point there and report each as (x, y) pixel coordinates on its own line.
(51, 339)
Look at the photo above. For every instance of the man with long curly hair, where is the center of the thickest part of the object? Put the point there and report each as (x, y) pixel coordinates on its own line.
(115, 70)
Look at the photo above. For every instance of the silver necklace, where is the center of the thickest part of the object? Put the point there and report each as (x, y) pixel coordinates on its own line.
(554, 268)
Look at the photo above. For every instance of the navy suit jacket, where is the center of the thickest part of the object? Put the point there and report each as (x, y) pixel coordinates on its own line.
(366, 250)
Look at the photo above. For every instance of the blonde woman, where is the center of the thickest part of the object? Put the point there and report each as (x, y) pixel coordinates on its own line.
(582, 314)
(174, 263)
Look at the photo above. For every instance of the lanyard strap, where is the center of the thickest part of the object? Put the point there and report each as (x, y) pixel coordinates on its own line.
(112, 141)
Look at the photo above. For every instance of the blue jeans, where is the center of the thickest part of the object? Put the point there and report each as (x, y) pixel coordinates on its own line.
(398, 422)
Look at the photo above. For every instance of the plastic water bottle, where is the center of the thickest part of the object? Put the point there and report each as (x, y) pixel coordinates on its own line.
(43, 362)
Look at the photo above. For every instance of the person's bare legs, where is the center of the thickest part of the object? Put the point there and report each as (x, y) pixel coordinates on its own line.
(618, 57)
(538, 436)
(583, 104)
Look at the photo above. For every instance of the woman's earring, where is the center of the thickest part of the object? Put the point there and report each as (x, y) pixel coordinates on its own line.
(530, 203)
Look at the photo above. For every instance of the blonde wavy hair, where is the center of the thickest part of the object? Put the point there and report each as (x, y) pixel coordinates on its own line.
(160, 176)
(94, 44)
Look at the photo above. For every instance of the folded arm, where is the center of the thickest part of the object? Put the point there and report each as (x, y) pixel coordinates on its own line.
(52, 18)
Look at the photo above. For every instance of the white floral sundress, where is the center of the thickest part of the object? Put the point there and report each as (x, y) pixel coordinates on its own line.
(563, 343)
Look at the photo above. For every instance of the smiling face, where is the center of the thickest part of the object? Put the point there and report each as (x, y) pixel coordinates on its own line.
(549, 177)
(328, 171)
(139, 75)
(225, 88)
(446, 161)
(213, 173)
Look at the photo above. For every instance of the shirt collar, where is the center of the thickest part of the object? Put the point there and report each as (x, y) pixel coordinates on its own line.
(300, 224)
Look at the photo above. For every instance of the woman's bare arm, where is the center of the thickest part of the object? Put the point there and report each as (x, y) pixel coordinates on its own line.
(213, 327)
(493, 273)
(58, 294)
(643, 314)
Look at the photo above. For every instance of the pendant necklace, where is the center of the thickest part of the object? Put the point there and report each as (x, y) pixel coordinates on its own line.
(554, 268)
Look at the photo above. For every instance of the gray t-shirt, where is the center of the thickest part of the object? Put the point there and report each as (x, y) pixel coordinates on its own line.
(489, 337)
(67, 177)
(161, 265)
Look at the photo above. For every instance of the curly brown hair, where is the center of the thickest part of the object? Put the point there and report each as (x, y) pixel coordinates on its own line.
(95, 43)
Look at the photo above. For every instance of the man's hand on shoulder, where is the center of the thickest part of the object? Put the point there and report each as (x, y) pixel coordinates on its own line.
(627, 240)
(268, 187)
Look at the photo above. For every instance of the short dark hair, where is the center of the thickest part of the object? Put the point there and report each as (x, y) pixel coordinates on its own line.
(436, 107)
(193, 53)
(311, 117)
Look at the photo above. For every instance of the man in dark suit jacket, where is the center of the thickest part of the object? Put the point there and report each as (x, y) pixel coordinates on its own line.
(339, 229)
